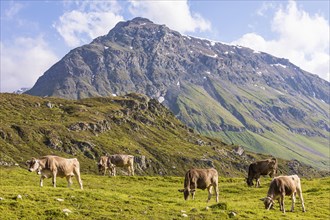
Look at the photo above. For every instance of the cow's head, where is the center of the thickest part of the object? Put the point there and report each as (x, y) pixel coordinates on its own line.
(249, 181)
(186, 192)
(268, 202)
(33, 165)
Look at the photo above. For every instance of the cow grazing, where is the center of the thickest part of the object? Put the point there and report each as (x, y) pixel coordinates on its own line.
(117, 160)
(53, 166)
(263, 167)
(200, 179)
(104, 164)
(283, 186)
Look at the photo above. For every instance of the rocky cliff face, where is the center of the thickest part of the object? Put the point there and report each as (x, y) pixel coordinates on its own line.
(262, 102)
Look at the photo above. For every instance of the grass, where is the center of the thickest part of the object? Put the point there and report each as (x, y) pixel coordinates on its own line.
(147, 197)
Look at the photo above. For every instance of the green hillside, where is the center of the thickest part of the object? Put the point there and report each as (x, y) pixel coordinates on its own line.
(133, 124)
(240, 117)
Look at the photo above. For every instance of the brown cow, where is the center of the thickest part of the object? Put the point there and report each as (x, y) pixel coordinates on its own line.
(283, 186)
(117, 160)
(104, 164)
(52, 166)
(200, 179)
(263, 167)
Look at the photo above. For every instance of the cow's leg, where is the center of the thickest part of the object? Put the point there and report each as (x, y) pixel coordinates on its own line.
(257, 177)
(132, 170)
(194, 184)
(77, 174)
(258, 182)
(113, 170)
(216, 190)
(282, 202)
(68, 178)
(209, 189)
(42, 180)
(129, 170)
(301, 199)
(54, 179)
(193, 194)
(293, 200)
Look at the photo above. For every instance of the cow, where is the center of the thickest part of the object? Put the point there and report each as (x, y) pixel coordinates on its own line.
(117, 160)
(200, 179)
(104, 164)
(53, 166)
(263, 167)
(280, 187)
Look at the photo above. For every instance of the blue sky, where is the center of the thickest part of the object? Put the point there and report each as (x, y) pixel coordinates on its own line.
(37, 34)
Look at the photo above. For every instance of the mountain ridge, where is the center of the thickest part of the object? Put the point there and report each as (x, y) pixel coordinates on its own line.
(254, 99)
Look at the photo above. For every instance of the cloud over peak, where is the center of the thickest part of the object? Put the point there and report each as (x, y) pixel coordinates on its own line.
(88, 21)
(301, 37)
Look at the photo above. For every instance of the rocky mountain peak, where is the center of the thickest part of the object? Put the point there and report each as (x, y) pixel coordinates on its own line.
(241, 95)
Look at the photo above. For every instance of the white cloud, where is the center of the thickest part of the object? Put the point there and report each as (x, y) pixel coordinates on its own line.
(301, 37)
(23, 61)
(262, 11)
(88, 21)
(13, 9)
(174, 14)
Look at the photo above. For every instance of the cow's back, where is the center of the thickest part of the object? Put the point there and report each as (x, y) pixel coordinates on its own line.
(203, 177)
(263, 167)
(63, 166)
(121, 160)
(284, 184)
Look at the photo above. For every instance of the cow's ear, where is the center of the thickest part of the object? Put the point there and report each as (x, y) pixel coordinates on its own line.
(181, 190)
(28, 162)
(263, 199)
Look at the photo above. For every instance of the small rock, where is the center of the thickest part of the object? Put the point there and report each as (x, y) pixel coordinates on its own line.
(1, 199)
(67, 210)
(184, 215)
(19, 197)
(183, 211)
(49, 105)
(207, 208)
(60, 200)
(232, 214)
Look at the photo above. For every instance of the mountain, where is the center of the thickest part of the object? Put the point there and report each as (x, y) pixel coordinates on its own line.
(250, 98)
(132, 124)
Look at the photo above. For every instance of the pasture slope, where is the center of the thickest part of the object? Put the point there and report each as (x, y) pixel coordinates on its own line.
(147, 197)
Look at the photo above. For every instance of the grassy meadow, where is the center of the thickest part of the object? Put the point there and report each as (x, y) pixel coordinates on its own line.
(147, 197)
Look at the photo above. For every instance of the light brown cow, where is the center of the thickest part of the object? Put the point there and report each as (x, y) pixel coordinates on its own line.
(263, 167)
(53, 166)
(121, 160)
(200, 179)
(104, 164)
(117, 160)
(283, 186)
